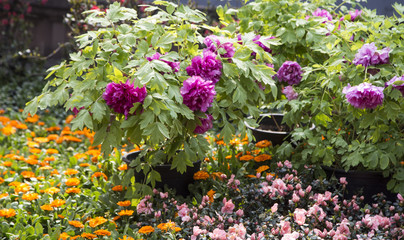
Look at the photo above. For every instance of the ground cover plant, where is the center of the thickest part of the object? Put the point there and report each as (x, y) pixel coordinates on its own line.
(55, 185)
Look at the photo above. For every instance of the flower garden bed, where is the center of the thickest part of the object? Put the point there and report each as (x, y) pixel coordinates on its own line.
(54, 185)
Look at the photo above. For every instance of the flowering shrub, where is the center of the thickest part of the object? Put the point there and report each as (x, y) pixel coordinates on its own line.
(344, 87)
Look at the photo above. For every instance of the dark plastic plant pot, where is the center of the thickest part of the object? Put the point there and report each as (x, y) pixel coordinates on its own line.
(170, 177)
(276, 137)
(365, 183)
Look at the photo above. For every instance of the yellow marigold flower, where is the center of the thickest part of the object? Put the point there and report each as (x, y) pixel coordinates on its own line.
(41, 139)
(3, 195)
(246, 157)
(76, 224)
(8, 130)
(35, 150)
(262, 158)
(32, 144)
(30, 196)
(126, 213)
(52, 190)
(72, 182)
(210, 194)
(14, 184)
(126, 238)
(124, 203)
(123, 167)
(262, 168)
(27, 174)
(80, 155)
(94, 222)
(263, 144)
(201, 175)
(84, 164)
(117, 188)
(99, 174)
(47, 207)
(146, 230)
(88, 235)
(7, 213)
(52, 151)
(102, 232)
(7, 164)
(23, 187)
(64, 236)
(73, 190)
(57, 203)
(46, 168)
(71, 171)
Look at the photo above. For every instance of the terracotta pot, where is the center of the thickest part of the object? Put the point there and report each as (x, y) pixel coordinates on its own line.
(366, 183)
(261, 133)
(170, 177)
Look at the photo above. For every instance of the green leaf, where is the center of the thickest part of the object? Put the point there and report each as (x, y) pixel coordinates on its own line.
(161, 66)
(98, 109)
(373, 160)
(322, 119)
(384, 161)
(163, 129)
(83, 119)
(240, 95)
(230, 69)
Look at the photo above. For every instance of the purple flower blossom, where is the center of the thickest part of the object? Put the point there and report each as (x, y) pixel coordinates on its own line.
(206, 124)
(355, 14)
(398, 87)
(290, 93)
(121, 96)
(364, 95)
(322, 13)
(213, 43)
(197, 93)
(290, 72)
(380, 57)
(207, 67)
(369, 55)
(175, 66)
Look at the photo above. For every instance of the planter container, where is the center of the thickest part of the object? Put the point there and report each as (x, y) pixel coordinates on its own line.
(170, 177)
(276, 137)
(366, 183)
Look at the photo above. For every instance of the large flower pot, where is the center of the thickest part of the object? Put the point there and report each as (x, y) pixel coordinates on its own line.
(366, 183)
(170, 177)
(271, 129)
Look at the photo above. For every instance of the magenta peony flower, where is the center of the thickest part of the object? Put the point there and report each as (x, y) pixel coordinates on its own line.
(121, 96)
(206, 124)
(213, 43)
(322, 13)
(380, 57)
(364, 95)
(290, 72)
(197, 93)
(265, 48)
(398, 87)
(355, 14)
(175, 66)
(290, 93)
(364, 54)
(207, 67)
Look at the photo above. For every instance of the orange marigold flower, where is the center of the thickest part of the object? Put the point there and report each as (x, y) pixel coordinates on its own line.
(94, 222)
(55, 172)
(32, 161)
(47, 207)
(61, 216)
(168, 226)
(262, 168)
(8, 130)
(30, 196)
(88, 235)
(41, 139)
(251, 176)
(72, 182)
(73, 190)
(72, 139)
(3, 195)
(84, 164)
(27, 174)
(52, 137)
(262, 158)
(76, 224)
(123, 167)
(1, 180)
(117, 188)
(146, 230)
(124, 203)
(23, 187)
(32, 144)
(49, 159)
(126, 213)
(201, 175)
(52, 151)
(7, 213)
(52, 190)
(7, 164)
(71, 171)
(263, 144)
(127, 238)
(322, 138)
(40, 178)
(102, 232)
(53, 128)
(57, 203)
(99, 174)
(246, 158)
(210, 194)
(32, 119)
(46, 168)
(80, 155)
(64, 236)
(35, 150)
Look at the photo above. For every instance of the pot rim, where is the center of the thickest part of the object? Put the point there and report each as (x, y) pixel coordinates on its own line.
(267, 131)
(127, 161)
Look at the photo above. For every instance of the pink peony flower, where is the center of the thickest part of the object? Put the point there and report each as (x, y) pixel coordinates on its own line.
(197, 93)
(207, 67)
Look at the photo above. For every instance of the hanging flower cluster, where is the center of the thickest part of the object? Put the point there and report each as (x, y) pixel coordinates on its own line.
(369, 55)
(364, 95)
(121, 96)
